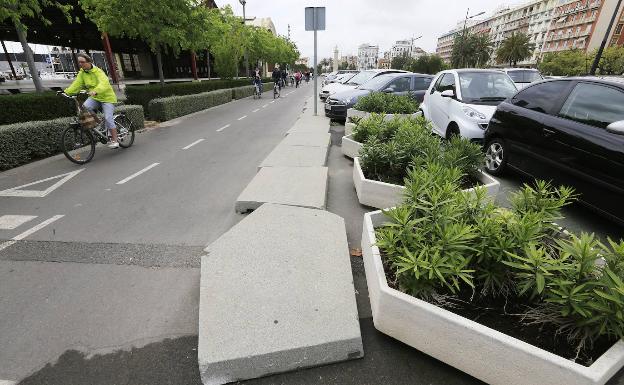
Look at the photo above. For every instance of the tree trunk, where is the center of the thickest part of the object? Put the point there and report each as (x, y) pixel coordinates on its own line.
(194, 65)
(21, 34)
(159, 63)
(208, 62)
(6, 53)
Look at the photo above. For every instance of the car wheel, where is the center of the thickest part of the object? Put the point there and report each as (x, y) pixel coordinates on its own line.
(452, 130)
(496, 156)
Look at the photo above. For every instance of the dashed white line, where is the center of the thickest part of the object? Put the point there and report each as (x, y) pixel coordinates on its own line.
(151, 166)
(273, 101)
(256, 110)
(242, 117)
(223, 128)
(30, 231)
(192, 144)
(265, 106)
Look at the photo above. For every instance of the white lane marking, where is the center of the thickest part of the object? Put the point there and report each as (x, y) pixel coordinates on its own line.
(223, 128)
(242, 117)
(18, 192)
(256, 110)
(151, 166)
(7, 382)
(272, 102)
(265, 106)
(192, 144)
(28, 232)
(11, 222)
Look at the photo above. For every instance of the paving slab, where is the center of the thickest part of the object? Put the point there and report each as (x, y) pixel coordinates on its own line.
(315, 139)
(308, 123)
(292, 186)
(276, 295)
(284, 155)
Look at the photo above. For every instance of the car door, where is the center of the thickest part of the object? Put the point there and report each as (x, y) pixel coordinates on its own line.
(420, 85)
(524, 117)
(592, 158)
(399, 85)
(441, 106)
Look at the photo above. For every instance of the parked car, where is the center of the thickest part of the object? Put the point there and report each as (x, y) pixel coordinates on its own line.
(570, 131)
(333, 75)
(343, 78)
(461, 102)
(355, 81)
(523, 76)
(412, 84)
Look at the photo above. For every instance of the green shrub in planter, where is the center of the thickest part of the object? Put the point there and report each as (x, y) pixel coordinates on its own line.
(383, 103)
(242, 92)
(164, 109)
(24, 142)
(413, 146)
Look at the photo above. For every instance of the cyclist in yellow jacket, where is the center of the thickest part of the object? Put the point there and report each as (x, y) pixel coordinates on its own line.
(101, 94)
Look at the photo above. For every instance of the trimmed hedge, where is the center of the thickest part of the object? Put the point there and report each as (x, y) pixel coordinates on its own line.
(163, 109)
(143, 94)
(23, 142)
(34, 106)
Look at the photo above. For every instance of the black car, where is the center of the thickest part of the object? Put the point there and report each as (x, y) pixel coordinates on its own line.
(412, 84)
(568, 130)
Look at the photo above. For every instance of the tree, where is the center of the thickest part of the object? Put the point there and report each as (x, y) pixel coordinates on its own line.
(612, 61)
(352, 66)
(400, 62)
(16, 11)
(471, 50)
(565, 63)
(427, 64)
(515, 48)
(161, 24)
(343, 65)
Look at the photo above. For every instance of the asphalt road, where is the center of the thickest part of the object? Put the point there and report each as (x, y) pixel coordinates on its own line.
(106, 256)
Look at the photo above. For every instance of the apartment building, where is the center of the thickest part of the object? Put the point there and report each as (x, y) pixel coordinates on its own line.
(617, 34)
(406, 47)
(552, 25)
(383, 63)
(367, 56)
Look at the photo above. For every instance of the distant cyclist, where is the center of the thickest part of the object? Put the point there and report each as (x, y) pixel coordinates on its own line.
(257, 80)
(297, 78)
(101, 94)
(284, 78)
(277, 76)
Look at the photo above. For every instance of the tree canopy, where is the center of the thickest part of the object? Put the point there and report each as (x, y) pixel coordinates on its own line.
(515, 48)
(471, 50)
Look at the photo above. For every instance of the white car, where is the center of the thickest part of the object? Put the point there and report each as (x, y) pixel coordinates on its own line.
(523, 76)
(461, 102)
(360, 78)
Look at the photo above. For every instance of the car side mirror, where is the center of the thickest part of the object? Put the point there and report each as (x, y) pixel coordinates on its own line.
(388, 90)
(616, 127)
(448, 94)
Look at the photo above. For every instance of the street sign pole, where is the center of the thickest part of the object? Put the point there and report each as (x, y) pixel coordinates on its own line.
(315, 21)
(315, 74)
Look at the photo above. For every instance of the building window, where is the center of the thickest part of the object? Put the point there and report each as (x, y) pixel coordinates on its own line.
(618, 29)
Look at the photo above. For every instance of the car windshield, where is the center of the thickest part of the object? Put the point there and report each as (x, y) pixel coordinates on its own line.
(486, 86)
(523, 76)
(361, 78)
(376, 83)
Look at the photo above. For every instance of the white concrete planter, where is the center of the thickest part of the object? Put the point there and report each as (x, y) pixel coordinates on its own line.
(363, 114)
(349, 127)
(382, 195)
(350, 147)
(482, 352)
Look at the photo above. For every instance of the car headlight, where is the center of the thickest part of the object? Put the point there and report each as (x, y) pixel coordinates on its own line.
(349, 100)
(472, 113)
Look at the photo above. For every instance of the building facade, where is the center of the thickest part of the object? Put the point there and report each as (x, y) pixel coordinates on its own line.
(405, 47)
(552, 26)
(367, 56)
(383, 63)
(351, 60)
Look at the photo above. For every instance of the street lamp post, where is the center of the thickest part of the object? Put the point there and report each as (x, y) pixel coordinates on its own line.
(604, 40)
(243, 3)
(464, 31)
(412, 45)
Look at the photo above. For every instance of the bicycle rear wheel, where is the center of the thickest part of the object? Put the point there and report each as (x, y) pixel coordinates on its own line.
(78, 145)
(125, 131)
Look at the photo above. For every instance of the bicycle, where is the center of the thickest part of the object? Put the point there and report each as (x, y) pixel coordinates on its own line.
(78, 141)
(276, 89)
(257, 91)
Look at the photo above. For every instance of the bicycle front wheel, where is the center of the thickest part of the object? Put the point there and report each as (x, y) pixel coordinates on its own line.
(125, 131)
(78, 145)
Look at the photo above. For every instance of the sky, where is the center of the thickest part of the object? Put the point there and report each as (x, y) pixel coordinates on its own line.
(350, 23)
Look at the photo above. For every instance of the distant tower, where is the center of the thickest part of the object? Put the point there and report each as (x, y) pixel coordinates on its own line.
(335, 59)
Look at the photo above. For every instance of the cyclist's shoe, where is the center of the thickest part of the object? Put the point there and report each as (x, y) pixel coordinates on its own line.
(113, 145)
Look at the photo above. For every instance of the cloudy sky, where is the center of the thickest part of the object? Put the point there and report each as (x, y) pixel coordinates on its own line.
(353, 22)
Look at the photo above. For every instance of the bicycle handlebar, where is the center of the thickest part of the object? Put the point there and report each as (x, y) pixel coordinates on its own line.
(62, 93)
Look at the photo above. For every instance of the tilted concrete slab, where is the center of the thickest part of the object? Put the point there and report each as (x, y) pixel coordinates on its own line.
(292, 186)
(307, 139)
(308, 123)
(284, 155)
(276, 295)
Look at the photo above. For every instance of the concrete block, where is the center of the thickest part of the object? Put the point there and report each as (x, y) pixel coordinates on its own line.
(315, 139)
(307, 123)
(284, 155)
(350, 148)
(349, 127)
(277, 295)
(292, 186)
(489, 355)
